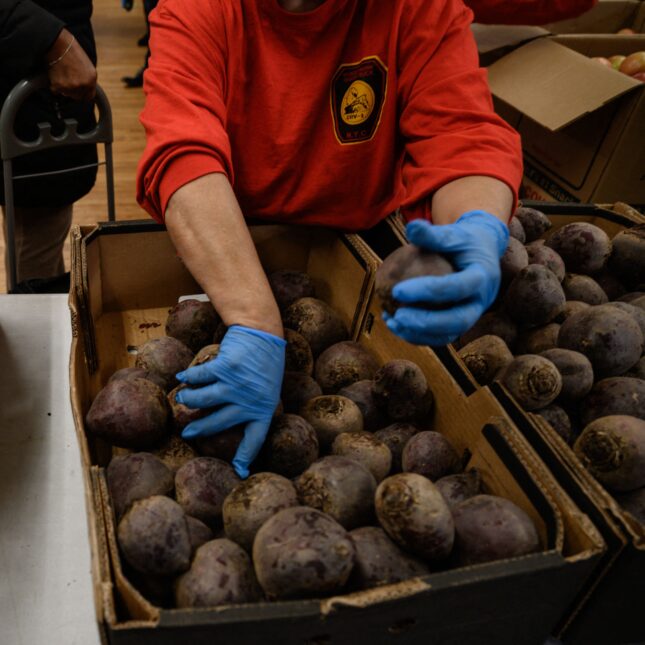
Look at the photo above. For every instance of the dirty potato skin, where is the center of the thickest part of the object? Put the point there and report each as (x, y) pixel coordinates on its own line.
(330, 415)
(485, 357)
(130, 413)
(459, 487)
(343, 364)
(400, 389)
(253, 502)
(430, 454)
(289, 285)
(153, 536)
(584, 247)
(623, 395)
(367, 450)
(415, 515)
(298, 356)
(576, 372)
(193, 322)
(361, 393)
(164, 356)
(533, 380)
(221, 574)
(395, 437)
(290, 447)
(302, 552)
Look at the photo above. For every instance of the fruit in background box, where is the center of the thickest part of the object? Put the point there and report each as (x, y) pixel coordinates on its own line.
(430, 454)
(533, 381)
(361, 393)
(343, 364)
(201, 486)
(408, 261)
(395, 437)
(612, 448)
(340, 487)
(221, 574)
(490, 528)
(610, 338)
(634, 503)
(485, 357)
(415, 515)
(222, 445)
(602, 60)
(301, 552)
(559, 421)
(516, 230)
(379, 561)
(546, 256)
(314, 319)
(534, 222)
(633, 64)
(130, 413)
(582, 288)
(535, 341)
(297, 389)
(252, 502)
(615, 395)
(534, 297)
(153, 536)
(616, 61)
(515, 258)
(495, 323)
(298, 356)
(576, 372)
(137, 476)
(400, 389)
(584, 248)
(198, 532)
(331, 415)
(193, 322)
(627, 259)
(165, 356)
(289, 286)
(459, 487)
(367, 450)
(291, 446)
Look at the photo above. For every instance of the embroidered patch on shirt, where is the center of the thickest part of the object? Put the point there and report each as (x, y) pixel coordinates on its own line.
(357, 97)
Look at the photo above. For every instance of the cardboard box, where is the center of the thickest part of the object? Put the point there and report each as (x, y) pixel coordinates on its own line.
(582, 124)
(607, 612)
(124, 296)
(607, 17)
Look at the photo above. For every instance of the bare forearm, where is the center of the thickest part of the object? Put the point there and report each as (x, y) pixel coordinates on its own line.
(472, 193)
(208, 230)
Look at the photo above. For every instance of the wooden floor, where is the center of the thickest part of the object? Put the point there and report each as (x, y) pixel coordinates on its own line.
(116, 32)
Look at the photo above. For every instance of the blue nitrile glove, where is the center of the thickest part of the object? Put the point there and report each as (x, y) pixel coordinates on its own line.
(474, 244)
(243, 381)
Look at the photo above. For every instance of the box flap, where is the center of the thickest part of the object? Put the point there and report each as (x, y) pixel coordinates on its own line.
(554, 85)
(492, 37)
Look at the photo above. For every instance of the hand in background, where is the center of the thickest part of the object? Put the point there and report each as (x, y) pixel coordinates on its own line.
(474, 244)
(71, 72)
(243, 382)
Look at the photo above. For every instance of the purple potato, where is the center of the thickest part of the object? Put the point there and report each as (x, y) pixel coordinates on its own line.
(627, 259)
(291, 446)
(616, 395)
(343, 364)
(582, 288)
(395, 437)
(252, 502)
(539, 253)
(515, 258)
(297, 389)
(576, 372)
(533, 381)
(459, 487)
(534, 222)
(415, 515)
(490, 528)
(400, 389)
(612, 448)
(221, 574)
(430, 454)
(516, 230)
(570, 307)
(201, 486)
(130, 414)
(153, 536)
(165, 357)
(331, 415)
(289, 286)
(192, 322)
(635, 312)
(130, 373)
(174, 453)
(137, 476)
(340, 487)
(198, 533)
(538, 339)
(361, 393)
(584, 247)
(367, 450)
(298, 356)
(301, 552)
(485, 357)
(379, 561)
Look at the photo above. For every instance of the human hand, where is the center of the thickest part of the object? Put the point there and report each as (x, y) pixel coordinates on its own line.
(474, 244)
(71, 72)
(243, 382)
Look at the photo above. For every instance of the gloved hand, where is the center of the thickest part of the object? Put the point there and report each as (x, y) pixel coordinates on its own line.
(127, 4)
(243, 381)
(474, 243)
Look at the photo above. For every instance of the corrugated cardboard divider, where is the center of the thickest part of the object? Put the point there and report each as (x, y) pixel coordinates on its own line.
(554, 85)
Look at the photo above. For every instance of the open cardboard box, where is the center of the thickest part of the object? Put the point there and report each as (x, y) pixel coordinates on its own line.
(582, 124)
(607, 17)
(126, 276)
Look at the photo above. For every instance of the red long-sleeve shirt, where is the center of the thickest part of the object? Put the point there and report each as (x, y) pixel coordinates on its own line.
(333, 117)
(527, 12)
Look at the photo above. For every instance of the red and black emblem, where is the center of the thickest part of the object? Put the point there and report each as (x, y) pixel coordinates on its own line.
(357, 97)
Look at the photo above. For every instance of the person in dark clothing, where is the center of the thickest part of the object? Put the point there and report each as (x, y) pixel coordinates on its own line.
(148, 6)
(53, 36)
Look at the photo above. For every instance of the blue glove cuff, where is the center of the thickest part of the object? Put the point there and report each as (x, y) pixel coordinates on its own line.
(492, 223)
(240, 330)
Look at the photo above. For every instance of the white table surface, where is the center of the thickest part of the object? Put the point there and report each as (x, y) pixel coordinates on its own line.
(45, 581)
